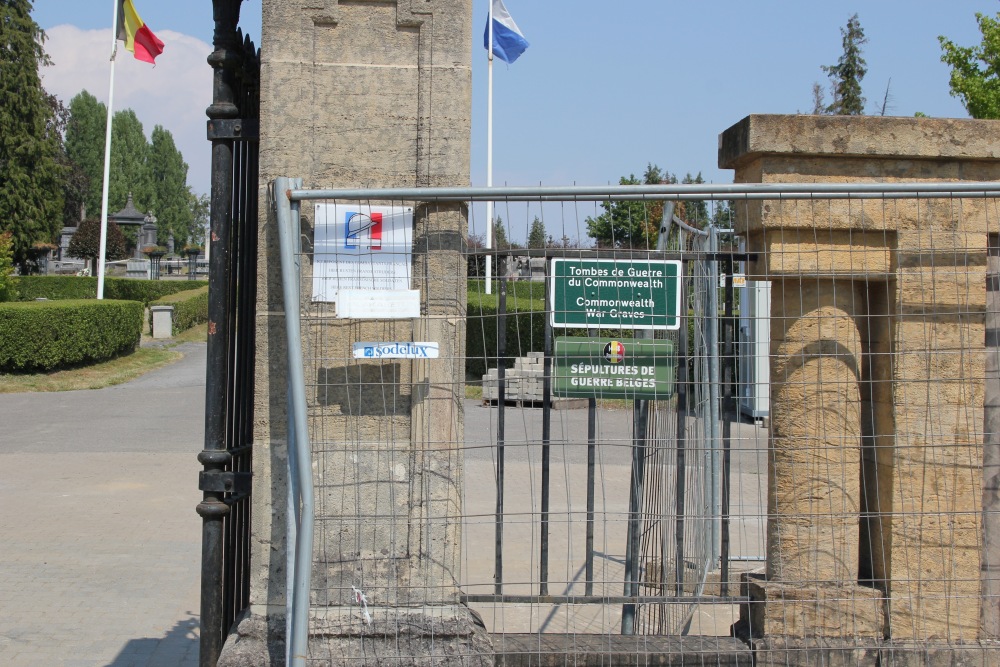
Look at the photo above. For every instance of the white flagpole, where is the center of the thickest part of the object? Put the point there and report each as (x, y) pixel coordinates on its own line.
(489, 159)
(107, 154)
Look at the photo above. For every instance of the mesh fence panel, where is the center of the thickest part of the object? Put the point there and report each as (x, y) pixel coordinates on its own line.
(850, 508)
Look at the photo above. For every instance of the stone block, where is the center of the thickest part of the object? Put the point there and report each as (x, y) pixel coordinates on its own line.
(341, 636)
(796, 652)
(828, 253)
(805, 610)
(939, 654)
(608, 650)
(815, 439)
(934, 572)
(163, 321)
(943, 292)
(805, 136)
(813, 652)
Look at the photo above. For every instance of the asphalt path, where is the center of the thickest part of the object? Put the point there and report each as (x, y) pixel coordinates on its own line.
(100, 557)
(162, 411)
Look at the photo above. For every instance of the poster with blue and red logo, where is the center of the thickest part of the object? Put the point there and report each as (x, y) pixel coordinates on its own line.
(361, 247)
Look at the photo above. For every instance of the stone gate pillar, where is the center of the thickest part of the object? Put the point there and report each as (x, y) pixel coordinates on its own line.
(877, 367)
(366, 93)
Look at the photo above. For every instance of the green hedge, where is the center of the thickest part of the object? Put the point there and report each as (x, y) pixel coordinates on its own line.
(147, 291)
(190, 308)
(525, 325)
(30, 288)
(43, 335)
(57, 288)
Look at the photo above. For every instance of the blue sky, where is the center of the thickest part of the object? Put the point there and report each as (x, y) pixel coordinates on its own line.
(604, 88)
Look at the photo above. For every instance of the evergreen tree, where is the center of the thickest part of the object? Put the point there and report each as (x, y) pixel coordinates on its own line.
(846, 75)
(536, 235)
(130, 164)
(85, 145)
(8, 283)
(172, 196)
(819, 104)
(31, 195)
(500, 241)
(975, 70)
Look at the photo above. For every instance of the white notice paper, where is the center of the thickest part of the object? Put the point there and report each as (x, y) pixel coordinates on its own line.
(378, 304)
(360, 247)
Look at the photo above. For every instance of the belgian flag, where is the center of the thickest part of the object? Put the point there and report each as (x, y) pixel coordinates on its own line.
(138, 38)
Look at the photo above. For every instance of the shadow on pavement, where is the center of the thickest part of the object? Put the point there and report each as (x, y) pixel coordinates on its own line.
(178, 647)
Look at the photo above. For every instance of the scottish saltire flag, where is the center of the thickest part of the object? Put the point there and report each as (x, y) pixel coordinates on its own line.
(508, 42)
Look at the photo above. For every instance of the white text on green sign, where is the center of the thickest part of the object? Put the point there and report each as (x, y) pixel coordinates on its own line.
(615, 294)
(606, 368)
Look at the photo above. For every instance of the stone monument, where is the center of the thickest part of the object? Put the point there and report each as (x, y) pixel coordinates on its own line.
(366, 93)
(877, 367)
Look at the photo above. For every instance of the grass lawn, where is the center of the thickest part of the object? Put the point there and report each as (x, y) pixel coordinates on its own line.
(105, 374)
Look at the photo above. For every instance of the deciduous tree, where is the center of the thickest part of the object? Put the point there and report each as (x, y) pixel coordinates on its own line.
(172, 199)
(975, 70)
(86, 243)
(85, 145)
(630, 224)
(200, 207)
(130, 164)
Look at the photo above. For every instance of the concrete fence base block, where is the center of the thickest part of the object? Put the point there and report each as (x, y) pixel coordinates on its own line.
(809, 652)
(832, 611)
(341, 636)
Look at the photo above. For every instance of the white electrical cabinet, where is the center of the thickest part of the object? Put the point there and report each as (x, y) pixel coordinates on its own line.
(755, 349)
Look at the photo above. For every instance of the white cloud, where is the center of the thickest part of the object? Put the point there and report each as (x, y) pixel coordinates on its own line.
(173, 94)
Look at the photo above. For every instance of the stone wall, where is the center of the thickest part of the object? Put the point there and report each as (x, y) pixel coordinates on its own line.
(877, 328)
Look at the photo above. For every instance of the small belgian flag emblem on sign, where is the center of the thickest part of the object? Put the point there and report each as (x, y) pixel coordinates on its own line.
(614, 352)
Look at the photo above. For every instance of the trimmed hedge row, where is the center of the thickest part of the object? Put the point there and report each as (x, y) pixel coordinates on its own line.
(43, 335)
(57, 288)
(525, 325)
(190, 308)
(525, 333)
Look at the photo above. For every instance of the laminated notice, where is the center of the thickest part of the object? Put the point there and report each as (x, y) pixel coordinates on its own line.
(361, 247)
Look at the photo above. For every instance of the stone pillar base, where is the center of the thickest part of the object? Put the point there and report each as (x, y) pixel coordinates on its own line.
(438, 636)
(829, 611)
(798, 652)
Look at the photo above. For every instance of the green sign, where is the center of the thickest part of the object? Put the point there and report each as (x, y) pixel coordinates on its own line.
(615, 294)
(608, 368)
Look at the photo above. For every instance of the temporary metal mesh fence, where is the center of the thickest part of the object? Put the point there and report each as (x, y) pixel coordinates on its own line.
(813, 465)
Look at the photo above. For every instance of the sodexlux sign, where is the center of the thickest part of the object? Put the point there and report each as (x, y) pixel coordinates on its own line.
(605, 368)
(615, 294)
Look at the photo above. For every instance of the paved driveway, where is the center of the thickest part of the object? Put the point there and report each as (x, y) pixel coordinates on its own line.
(99, 539)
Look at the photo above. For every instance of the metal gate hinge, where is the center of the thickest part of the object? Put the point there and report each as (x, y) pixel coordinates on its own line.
(247, 129)
(218, 481)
